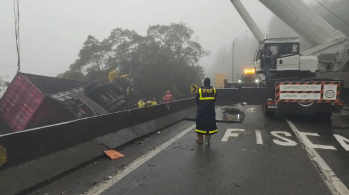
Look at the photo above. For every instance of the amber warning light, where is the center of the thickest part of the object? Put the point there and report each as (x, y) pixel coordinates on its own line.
(249, 71)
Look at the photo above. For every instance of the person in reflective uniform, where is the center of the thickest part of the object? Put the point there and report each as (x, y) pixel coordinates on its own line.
(141, 104)
(206, 114)
(168, 98)
(153, 103)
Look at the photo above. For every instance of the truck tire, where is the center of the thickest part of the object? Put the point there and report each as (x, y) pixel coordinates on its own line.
(116, 89)
(106, 84)
(113, 101)
(266, 112)
(117, 105)
(94, 89)
(104, 80)
(110, 103)
(89, 86)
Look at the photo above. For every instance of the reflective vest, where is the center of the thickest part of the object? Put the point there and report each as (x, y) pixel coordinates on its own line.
(154, 103)
(112, 76)
(207, 94)
(141, 104)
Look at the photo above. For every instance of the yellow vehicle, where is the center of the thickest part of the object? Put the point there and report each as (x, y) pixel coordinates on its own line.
(248, 76)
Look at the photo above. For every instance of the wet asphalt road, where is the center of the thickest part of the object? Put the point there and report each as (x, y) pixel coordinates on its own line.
(239, 165)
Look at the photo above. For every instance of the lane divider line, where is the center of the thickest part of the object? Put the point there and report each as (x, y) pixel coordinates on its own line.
(101, 187)
(259, 137)
(334, 184)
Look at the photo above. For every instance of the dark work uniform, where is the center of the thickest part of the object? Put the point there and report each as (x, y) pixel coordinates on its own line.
(206, 114)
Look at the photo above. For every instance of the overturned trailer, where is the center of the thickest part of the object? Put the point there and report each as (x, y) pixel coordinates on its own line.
(28, 103)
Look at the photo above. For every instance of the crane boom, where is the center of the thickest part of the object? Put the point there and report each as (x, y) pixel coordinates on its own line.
(305, 21)
(248, 20)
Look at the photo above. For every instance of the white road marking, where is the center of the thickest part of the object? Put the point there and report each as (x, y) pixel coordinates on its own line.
(304, 137)
(259, 137)
(251, 109)
(229, 133)
(101, 187)
(287, 142)
(343, 141)
(334, 184)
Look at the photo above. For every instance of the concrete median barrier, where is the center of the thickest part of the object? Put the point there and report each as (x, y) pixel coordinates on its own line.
(36, 155)
(145, 128)
(118, 138)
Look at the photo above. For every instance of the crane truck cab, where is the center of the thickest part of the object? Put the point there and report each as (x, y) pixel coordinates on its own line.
(280, 57)
(282, 53)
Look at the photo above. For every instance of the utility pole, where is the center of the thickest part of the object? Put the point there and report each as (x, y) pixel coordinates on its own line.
(233, 64)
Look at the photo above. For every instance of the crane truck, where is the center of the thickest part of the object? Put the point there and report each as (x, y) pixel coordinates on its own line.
(289, 76)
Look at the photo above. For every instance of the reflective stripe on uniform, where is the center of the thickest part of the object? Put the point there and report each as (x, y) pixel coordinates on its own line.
(207, 98)
(210, 132)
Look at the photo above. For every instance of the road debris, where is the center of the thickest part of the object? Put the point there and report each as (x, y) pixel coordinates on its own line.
(113, 154)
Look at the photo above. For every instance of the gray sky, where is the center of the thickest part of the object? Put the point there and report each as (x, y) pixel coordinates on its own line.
(53, 32)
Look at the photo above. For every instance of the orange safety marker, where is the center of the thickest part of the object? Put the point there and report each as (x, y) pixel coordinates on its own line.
(113, 154)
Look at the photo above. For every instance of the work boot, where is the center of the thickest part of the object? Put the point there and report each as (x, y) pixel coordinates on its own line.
(207, 139)
(199, 138)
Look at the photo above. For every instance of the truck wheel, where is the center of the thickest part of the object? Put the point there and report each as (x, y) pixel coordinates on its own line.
(110, 103)
(115, 106)
(113, 101)
(94, 89)
(106, 84)
(116, 89)
(104, 80)
(89, 86)
(266, 112)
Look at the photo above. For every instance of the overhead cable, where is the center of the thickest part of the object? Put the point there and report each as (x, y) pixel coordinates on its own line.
(16, 14)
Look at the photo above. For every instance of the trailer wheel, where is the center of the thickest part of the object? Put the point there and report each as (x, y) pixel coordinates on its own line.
(106, 84)
(266, 112)
(113, 101)
(94, 89)
(104, 81)
(89, 86)
(110, 103)
(115, 106)
(116, 89)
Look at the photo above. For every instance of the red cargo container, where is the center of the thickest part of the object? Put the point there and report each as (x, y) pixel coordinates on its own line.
(25, 95)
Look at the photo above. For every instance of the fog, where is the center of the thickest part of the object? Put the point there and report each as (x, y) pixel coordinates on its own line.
(53, 32)
(244, 50)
